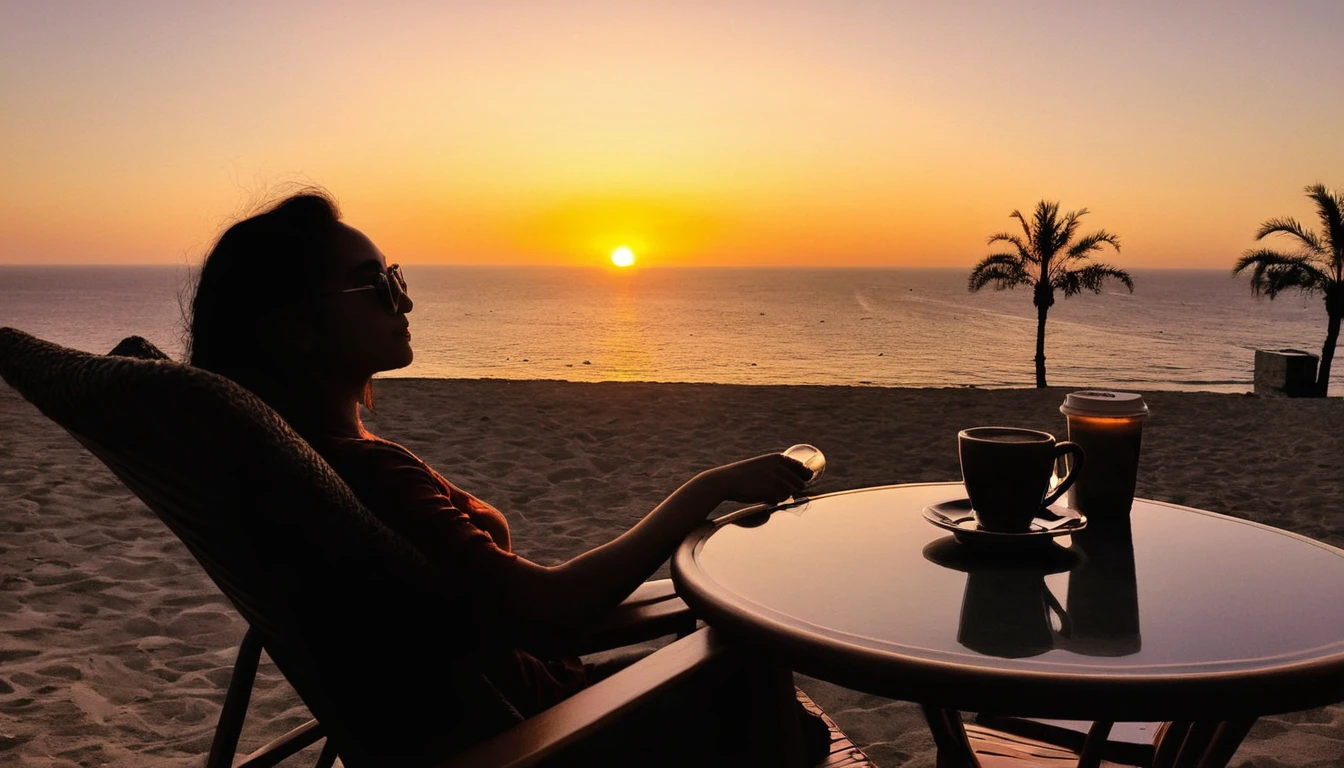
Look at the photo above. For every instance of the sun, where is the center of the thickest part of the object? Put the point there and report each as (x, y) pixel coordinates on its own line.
(623, 257)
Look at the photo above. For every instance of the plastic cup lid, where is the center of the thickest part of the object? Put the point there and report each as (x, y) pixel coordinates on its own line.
(1100, 402)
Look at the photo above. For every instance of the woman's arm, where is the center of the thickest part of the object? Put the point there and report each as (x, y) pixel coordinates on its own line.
(540, 601)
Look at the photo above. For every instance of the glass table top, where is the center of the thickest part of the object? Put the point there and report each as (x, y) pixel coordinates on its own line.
(1174, 591)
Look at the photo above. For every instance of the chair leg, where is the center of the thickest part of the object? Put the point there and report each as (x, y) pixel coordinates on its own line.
(231, 716)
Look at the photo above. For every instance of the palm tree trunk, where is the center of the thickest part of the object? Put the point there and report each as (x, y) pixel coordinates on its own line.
(1040, 344)
(1327, 354)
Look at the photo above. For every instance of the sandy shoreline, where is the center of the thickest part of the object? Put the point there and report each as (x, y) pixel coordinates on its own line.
(115, 648)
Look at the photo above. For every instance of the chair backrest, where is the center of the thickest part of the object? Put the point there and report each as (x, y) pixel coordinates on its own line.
(349, 611)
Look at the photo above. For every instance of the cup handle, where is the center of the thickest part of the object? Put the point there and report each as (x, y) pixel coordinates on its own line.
(1052, 606)
(1075, 463)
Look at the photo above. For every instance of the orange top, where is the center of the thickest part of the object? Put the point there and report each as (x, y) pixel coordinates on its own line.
(460, 535)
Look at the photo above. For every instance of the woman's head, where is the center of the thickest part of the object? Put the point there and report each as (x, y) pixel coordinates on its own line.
(291, 300)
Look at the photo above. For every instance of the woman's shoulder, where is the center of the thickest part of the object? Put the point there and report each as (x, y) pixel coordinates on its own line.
(367, 444)
(369, 451)
(379, 469)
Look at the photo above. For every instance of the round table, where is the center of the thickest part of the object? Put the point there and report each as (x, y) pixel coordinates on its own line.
(1177, 614)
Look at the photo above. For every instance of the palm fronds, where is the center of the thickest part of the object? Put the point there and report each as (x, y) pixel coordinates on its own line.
(1065, 231)
(1078, 253)
(1023, 251)
(1273, 272)
(1093, 242)
(1003, 270)
(1328, 206)
(1049, 254)
(1091, 278)
(1293, 228)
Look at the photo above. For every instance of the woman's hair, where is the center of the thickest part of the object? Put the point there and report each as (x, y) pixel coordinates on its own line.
(271, 262)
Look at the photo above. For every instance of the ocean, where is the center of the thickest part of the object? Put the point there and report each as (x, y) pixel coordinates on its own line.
(1180, 329)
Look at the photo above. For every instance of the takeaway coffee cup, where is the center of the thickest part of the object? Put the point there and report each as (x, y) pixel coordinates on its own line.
(1007, 473)
(1109, 427)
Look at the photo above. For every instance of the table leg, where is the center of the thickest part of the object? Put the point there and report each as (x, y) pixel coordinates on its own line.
(1169, 745)
(1207, 744)
(1095, 744)
(949, 735)
(778, 734)
(1225, 742)
(1196, 741)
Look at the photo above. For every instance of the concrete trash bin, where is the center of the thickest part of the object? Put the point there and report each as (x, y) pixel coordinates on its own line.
(1285, 373)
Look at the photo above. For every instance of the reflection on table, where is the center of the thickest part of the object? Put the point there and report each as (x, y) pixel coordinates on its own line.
(1008, 609)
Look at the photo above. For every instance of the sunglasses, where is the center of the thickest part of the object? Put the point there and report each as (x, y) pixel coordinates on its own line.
(390, 285)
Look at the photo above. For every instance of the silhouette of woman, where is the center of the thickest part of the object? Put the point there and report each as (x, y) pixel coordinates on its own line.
(303, 310)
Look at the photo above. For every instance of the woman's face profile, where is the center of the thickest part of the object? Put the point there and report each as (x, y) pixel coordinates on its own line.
(356, 334)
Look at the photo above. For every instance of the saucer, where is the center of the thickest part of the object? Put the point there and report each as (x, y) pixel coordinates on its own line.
(956, 516)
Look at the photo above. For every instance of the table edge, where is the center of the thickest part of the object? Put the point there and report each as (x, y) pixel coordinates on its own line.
(1159, 695)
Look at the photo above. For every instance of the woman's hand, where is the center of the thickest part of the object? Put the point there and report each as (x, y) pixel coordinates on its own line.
(771, 479)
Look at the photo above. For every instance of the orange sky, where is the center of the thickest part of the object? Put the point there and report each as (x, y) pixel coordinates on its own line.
(844, 133)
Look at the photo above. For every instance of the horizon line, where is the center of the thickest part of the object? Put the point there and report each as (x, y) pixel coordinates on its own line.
(605, 267)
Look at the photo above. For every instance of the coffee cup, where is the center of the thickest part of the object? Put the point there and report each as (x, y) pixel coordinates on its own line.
(1109, 427)
(1007, 473)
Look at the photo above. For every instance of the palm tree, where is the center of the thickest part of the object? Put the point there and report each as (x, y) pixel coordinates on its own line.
(1049, 259)
(1317, 267)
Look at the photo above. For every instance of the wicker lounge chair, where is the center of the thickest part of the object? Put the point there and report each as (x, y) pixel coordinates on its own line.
(343, 606)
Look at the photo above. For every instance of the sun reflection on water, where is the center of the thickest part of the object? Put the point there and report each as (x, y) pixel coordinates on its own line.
(624, 339)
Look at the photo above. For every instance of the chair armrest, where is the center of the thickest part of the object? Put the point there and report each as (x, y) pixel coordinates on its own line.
(279, 749)
(651, 611)
(588, 712)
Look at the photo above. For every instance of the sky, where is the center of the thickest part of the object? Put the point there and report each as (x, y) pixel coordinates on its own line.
(695, 133)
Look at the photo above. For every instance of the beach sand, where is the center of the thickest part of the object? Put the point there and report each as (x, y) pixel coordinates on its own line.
(115, 648)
